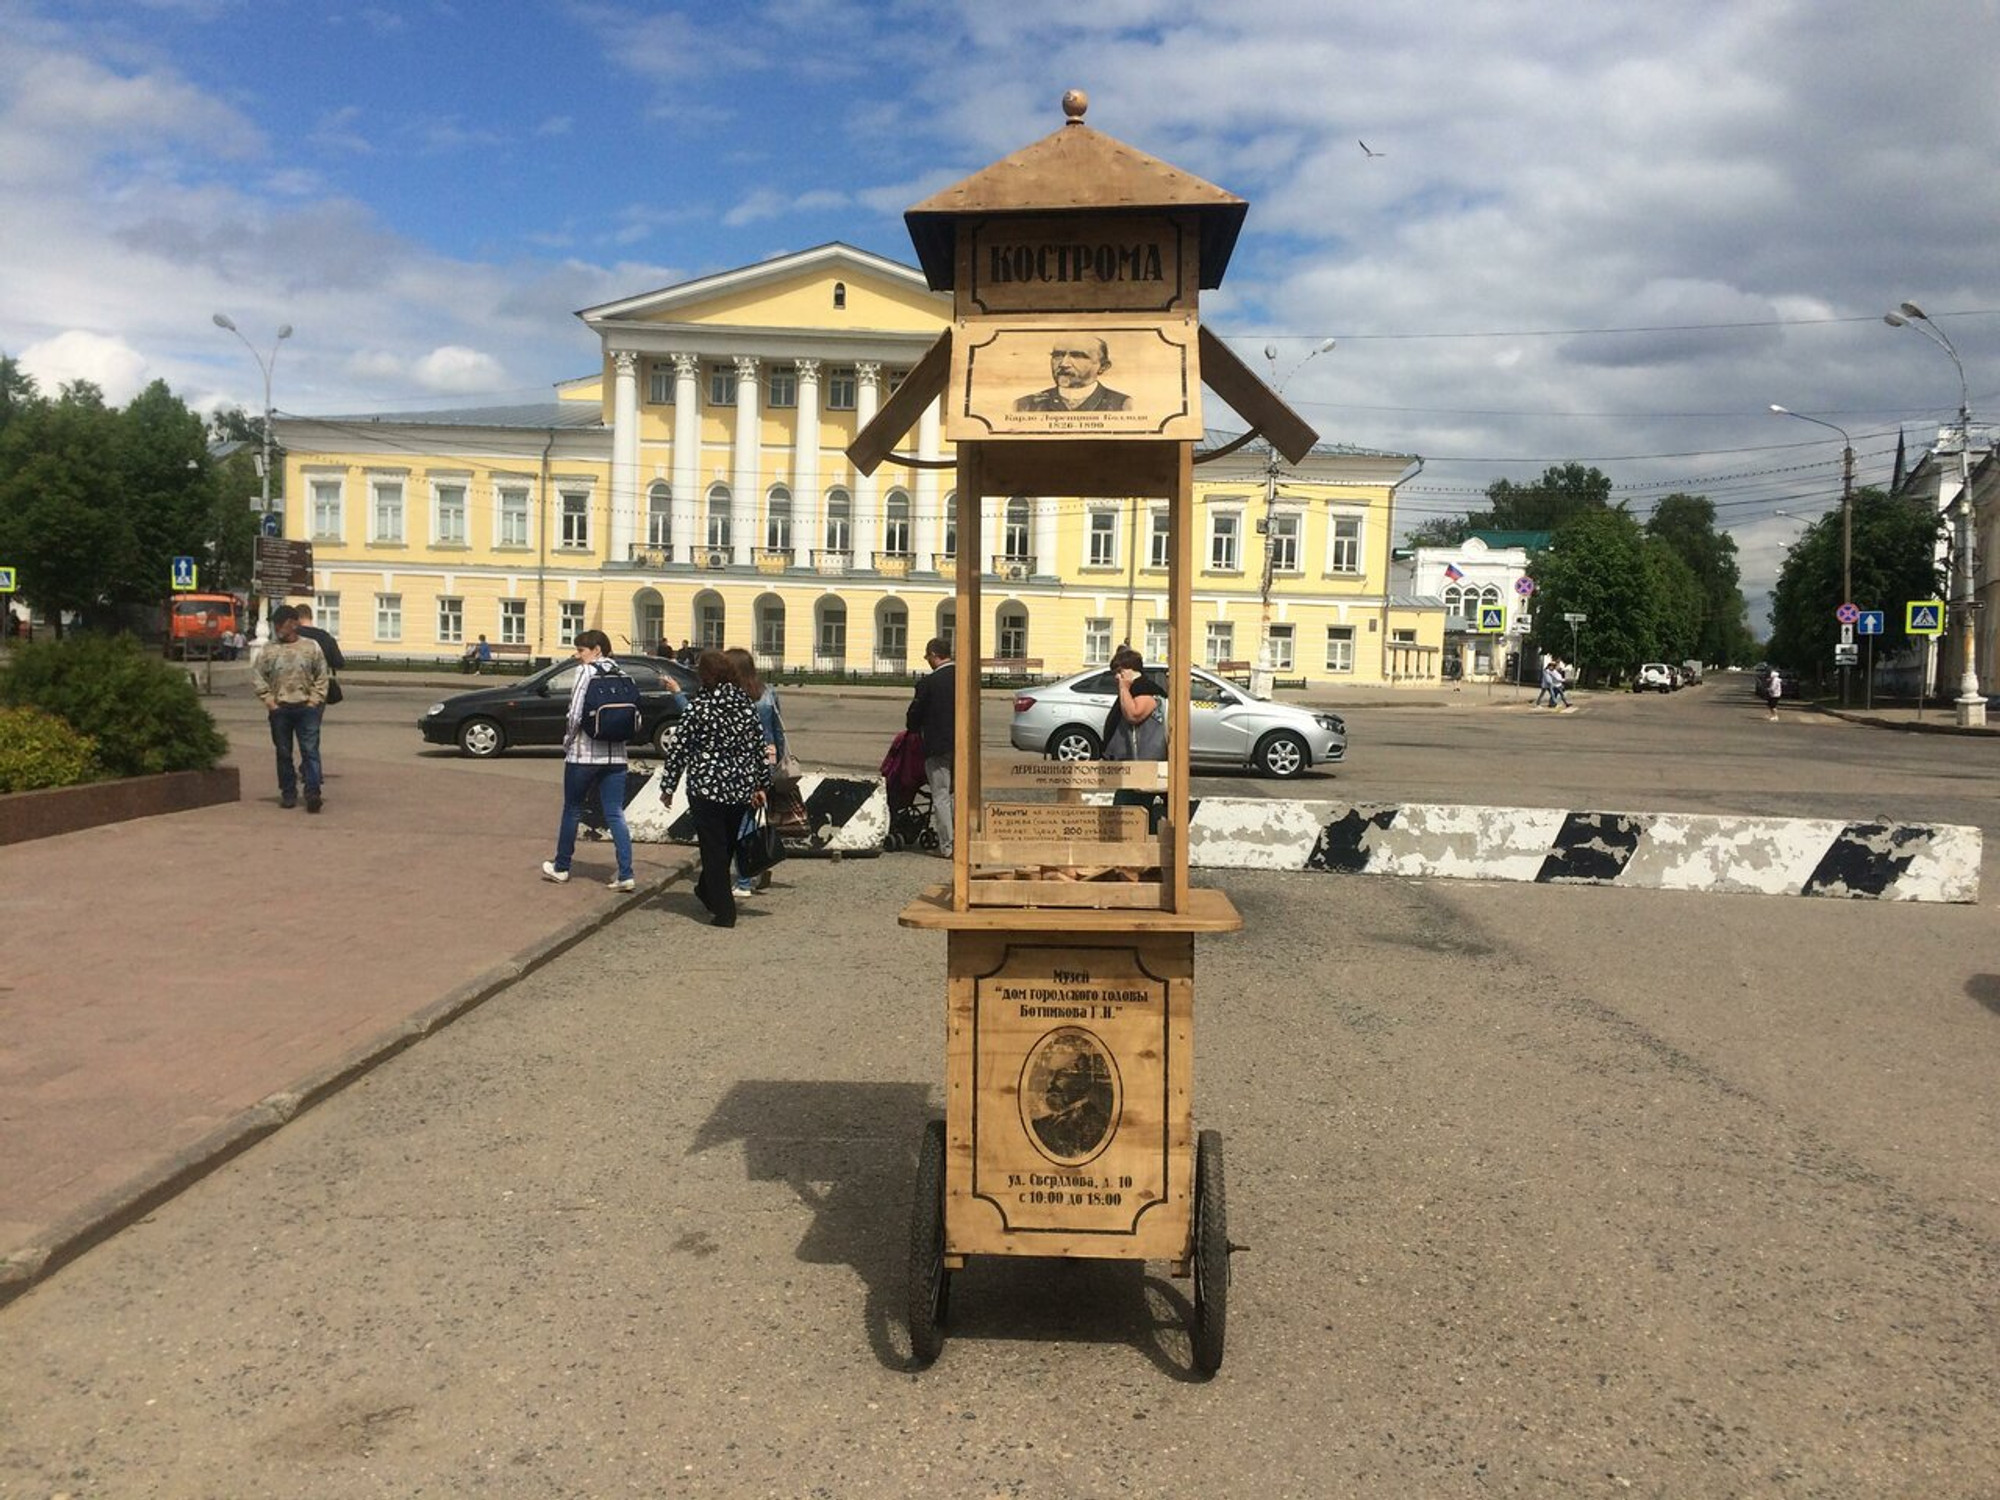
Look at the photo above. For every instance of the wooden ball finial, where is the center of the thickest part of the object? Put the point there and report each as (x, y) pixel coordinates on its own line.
(1075, 102)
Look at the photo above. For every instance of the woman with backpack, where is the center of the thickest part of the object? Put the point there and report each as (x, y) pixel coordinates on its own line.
(719, 747)
(594, 735)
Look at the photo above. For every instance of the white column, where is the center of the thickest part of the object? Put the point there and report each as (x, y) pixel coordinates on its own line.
(806, 498)
(1043, 512)
(926, 499)
(687, 454)
(624, 453)
(744, 471)
(867, 487)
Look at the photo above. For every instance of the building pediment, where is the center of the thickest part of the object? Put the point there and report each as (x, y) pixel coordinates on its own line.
(827, 289)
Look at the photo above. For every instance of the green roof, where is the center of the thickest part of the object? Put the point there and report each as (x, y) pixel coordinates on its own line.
(1534, 541)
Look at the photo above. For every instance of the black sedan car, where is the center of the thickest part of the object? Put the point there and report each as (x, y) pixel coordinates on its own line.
(531, 710)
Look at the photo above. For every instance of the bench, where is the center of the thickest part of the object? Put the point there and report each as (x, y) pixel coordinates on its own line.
(500, 653)
(1010, 668)
(1237, 672)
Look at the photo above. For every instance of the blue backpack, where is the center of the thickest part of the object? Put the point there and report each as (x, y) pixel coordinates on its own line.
(611, 705)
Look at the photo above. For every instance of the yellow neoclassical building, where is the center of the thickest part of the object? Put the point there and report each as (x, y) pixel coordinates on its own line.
(697, 488)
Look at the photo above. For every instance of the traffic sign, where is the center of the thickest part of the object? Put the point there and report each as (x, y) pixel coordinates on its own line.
(1575, 619)
(1524, 585)
(1523, 624)
(183, 574)
(271, 523)
(1846, 656)
(7, 584)
(1923, 617)
(1847, 614)
(283, 568)
(1492, 619)
(1870, 622)
(1847, 635)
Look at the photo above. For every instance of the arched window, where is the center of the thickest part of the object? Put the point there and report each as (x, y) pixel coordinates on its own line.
(892, 636)
(830, 649)
(840, 296)
(778, 519)
(951, 525)
(896, 523)
(1012, 631)
(718, 516)
(659, 516)
(1014, 537)
(1453, 608)
(947, 625)
(839, 518)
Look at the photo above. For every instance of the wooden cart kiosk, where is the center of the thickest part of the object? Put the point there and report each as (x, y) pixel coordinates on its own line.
(1074, 366)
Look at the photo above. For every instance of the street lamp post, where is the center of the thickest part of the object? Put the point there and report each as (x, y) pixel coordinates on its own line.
(1971, 701)
(1260, 681)
(1846, 517)
(264, 367)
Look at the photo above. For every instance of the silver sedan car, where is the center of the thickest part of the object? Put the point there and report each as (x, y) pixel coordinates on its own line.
(1065, 720)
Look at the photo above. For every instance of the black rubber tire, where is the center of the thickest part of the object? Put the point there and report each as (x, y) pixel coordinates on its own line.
(1074, 742)
(1209, 1253)
(1282, 756)
(481, 738)
(930, 1282)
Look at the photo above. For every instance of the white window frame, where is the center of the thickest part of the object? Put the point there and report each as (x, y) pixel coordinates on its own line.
(440, 484)
(1010, 630)
(896, 523)
(1340, 650)
(1283, 643)
(1284, 541)
(893, 643)
(451, 620)
(1345, 548)
(573, 538)
(379, 488)
(388, 617)
(660, 383)
(328, 519)
(570, 623)
(513, 622)
(1016, 530)
(1096, 640)
(841, 384)
(326, 613)
(722, 385)
(1218, 643)
(659, 514)
(1159, 639)
(778, 519)
(1101, 541)
(513, 509)
(839, 520)
(782, 394)
(1225, 541)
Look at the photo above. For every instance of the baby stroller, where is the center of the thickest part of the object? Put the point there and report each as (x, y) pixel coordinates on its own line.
(909, 793)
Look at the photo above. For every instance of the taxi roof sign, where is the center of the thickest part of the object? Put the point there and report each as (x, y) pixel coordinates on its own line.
(1923, 617)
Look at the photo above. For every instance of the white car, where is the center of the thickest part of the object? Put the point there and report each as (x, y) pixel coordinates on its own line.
(1065, 721)
(1653, 677)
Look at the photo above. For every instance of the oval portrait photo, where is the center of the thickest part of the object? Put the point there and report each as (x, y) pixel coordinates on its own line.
(1070, 1100)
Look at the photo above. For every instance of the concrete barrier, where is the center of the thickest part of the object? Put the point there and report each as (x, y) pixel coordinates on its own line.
(848, 814)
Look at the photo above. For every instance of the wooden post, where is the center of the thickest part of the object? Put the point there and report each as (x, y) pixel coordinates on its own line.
(969, 649)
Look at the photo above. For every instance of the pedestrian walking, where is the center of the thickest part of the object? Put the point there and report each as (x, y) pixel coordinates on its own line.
(1774, 689)
(592, 762)
(771, 722)
(335, 662)
(719, 747)
(933, 714)
(1136, 729)
(291, 679)
(1559, 684)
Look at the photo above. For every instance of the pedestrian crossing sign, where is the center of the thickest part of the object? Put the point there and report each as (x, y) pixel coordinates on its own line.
(1492, 619)
(183, 573)
(1923, 617)
(7, 584)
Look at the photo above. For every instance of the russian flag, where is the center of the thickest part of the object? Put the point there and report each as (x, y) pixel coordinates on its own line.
(1453, 572)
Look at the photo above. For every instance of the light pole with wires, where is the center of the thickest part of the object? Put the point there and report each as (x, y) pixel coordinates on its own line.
(1846, 517)
(1971, 701)
(264, 367)
(1261, 675)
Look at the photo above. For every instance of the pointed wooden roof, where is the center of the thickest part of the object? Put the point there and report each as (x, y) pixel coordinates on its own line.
(1082, 171)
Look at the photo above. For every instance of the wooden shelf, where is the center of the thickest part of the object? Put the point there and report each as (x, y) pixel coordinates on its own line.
(1208, 911)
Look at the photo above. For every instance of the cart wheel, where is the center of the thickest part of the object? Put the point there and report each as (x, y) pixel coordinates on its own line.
(930, 1282)
(1210, 1253)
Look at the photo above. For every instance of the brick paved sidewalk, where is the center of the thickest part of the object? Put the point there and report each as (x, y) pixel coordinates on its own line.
(172, 988)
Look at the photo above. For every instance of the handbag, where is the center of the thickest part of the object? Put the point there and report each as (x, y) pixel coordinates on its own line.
(759, 846)
(333, 692)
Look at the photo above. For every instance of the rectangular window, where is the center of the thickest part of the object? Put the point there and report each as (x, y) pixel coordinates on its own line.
(1280, 639)
(784, 388)
(1218, 644)
(1344, 555)
(570, 625)
(1157, 637)
(840, 388)
(1284, 540)
(1096, 642)
(326, 517)
(894, 643)
(513, 622)
(1103, 550)
(388, 617)
(722, 385)
(326, 613)
(1403, 637)
(575, 519)
(1224, 543)
(386, 510)
(660, 385)
(1340, 649)
(1156, 539)
(513, 516)
(448, 523)
(451, 621)
(833, 635)
(718, 529)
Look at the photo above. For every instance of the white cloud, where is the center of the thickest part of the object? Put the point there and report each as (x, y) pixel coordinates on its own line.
(111, 364)
(454, 370)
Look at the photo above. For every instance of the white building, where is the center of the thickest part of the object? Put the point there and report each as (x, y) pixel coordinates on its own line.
(1472, 576)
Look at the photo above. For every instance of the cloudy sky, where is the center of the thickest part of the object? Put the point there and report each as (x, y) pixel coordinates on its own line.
(1612, 233)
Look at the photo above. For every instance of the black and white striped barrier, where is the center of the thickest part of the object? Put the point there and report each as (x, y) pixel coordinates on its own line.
(1654, 851)
(847, 814)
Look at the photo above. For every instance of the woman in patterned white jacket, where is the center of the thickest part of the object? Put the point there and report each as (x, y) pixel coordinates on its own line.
(719, 747)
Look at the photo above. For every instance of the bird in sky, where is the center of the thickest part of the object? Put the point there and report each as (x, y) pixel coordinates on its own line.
(1366, 152)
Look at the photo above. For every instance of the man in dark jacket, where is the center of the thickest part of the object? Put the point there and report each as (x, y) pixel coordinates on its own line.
(934, 715)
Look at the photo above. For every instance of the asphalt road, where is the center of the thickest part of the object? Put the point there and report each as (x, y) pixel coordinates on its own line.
(1547, 1191)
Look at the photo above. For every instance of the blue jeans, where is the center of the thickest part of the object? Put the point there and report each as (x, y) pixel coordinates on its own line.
(578, 779)
(296, 722)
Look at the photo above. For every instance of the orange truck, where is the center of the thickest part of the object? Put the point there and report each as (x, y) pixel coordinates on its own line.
(199, 624)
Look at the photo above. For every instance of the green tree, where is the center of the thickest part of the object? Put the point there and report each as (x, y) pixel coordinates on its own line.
(1895, 561)
(166, 489)
(1443, 531)
(1563, 492)
(61, 520)
(1686, 523)
(1673, 600)
(1596, 566)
